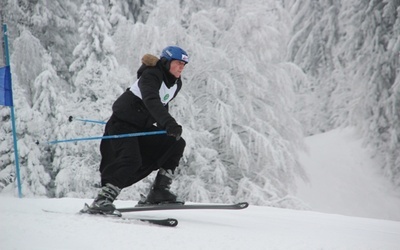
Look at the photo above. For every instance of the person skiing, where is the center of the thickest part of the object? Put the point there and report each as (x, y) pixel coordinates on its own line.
(141, 108)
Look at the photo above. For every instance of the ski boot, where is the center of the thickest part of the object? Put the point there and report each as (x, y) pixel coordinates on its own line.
(103, 204)
(160, 191)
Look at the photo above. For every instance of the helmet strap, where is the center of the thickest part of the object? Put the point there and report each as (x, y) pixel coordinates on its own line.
(165, 63)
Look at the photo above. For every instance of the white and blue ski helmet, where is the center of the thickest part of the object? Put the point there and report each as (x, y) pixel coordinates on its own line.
(174, 53)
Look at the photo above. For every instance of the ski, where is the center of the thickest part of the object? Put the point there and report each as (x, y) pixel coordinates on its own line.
(241, 205)
(168, 222)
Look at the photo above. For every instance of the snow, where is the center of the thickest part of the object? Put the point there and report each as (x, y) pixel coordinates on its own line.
(26, 226)
(344, 179)
(343, 190)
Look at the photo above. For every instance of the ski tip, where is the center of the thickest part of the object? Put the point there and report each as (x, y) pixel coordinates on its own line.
(242, 205)
(172, 222)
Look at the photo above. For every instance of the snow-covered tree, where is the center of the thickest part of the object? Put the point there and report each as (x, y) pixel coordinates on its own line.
(96, 82)
(314, 36)
(244, 103)
(235, 105)
(130, 10)
(36, 99)
(350, 51)
(41, 33)
(53, 22)
(375, 55)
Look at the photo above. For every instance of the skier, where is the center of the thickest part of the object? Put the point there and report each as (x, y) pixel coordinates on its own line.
(126, 161)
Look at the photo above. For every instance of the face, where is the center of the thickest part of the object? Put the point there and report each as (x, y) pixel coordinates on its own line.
(176, 68)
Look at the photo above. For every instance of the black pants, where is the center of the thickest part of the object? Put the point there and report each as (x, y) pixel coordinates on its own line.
(126, 161)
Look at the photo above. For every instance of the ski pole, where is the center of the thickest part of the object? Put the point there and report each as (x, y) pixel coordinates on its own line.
(109, 137)
(71, 118)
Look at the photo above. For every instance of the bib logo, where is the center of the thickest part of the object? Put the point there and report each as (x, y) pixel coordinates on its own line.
(166, 97)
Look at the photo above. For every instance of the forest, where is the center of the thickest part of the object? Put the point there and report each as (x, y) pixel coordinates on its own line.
(263, 75)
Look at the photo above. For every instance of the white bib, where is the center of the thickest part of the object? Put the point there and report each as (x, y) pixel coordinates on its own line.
(165, 93)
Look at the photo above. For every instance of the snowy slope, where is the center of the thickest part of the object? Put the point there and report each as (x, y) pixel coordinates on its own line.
(344, 179)
(25, 226)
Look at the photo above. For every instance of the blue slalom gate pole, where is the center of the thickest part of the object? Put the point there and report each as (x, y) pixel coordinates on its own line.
(14, 133)
(160, 132)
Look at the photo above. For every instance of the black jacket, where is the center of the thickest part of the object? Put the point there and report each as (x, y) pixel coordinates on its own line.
(143, 113)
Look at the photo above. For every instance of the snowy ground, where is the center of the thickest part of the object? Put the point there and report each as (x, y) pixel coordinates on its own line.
(342, 181)
(25, 226)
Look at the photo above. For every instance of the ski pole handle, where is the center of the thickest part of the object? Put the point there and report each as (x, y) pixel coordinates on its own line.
(71, 118)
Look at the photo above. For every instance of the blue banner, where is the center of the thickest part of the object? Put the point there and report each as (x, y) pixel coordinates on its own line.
(5, 87)
(6, 98)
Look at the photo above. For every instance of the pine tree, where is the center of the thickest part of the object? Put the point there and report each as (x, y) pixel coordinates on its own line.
(312, 47)
(355, 78)
(40, 85)
(374, 107)
(35, 110)
(253, 147)
(236, 120)
(96, 83)
(130, 10)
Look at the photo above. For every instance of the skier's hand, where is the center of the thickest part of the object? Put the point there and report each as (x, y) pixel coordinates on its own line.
(174, 130)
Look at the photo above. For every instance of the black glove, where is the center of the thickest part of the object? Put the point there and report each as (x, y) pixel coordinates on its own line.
(174, 130)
